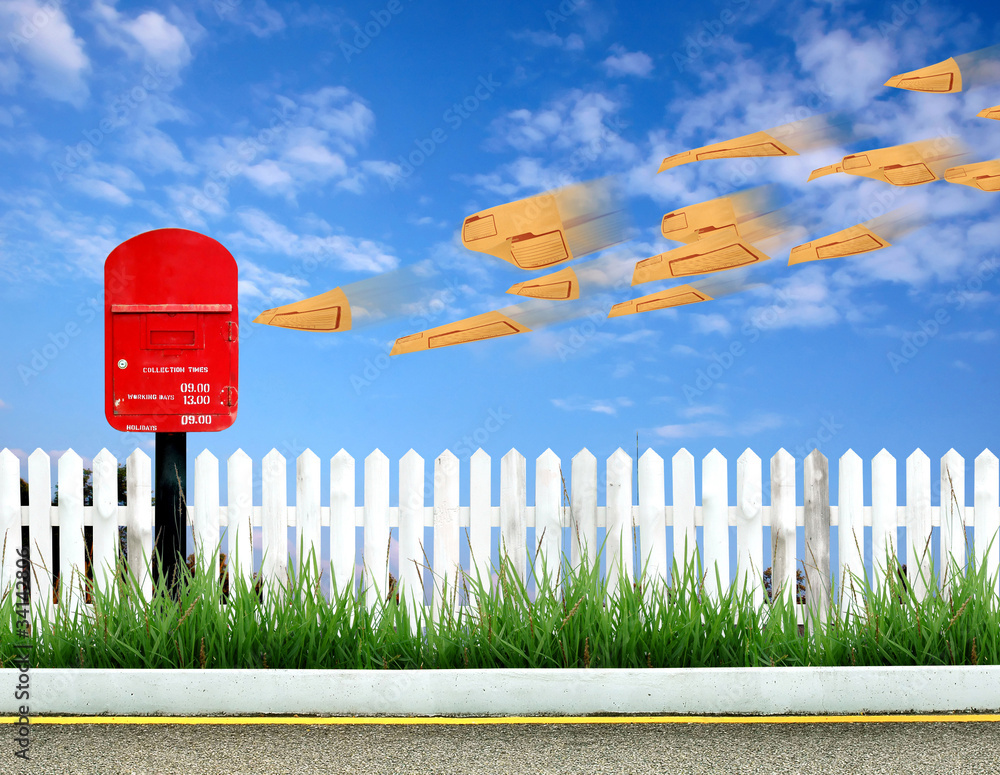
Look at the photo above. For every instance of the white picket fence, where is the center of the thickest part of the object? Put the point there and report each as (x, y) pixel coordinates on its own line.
(548, 517)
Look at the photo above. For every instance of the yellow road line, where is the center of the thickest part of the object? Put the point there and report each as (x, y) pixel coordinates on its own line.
(465, 721)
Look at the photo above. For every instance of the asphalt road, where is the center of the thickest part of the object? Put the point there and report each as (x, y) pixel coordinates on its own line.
(970, 748)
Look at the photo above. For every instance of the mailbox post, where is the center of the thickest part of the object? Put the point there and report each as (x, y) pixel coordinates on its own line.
(171, 329)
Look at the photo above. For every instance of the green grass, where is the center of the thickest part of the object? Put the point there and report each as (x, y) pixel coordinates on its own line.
(575, 627)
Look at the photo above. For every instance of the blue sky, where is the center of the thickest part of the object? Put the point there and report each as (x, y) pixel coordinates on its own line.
(324, 145)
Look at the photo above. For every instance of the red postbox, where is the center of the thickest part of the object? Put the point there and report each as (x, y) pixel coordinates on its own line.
(171, 333)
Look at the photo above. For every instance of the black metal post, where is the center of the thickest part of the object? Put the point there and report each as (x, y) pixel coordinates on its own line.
(170, 514)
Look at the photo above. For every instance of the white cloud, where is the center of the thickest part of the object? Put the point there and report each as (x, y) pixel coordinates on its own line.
(622, 62)
(713, 428)
(257, 283)
(598, 405)
(711, 324)
(149, 36)
(261, 19)
(263, 233)
(41, 36)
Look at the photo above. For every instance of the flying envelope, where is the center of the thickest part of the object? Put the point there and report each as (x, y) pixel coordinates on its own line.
(943, 78)
(984, 175)
(728, 214)
(912, 164)
(953, 74)
(993, 113)
(785, 140)
(489, 325)
(563, 284)
(712, 254)
(677, 296)
(330, 311)
(865, 237)
(547, 229)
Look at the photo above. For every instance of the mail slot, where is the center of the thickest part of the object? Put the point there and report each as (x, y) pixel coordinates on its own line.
(171, 333)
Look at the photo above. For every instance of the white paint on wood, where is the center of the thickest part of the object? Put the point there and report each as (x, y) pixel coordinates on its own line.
(987, 524)
(548, 526)
(447, 568)
(850, 532)
(72, 574)
(918, 523)
(783, 522)
(343, 523)
(307, 516)
(583, 510)
(10, 518)
(239, 514)
(750, 527)
(274, 524)
(205, 516)
(952, 517)
(411, 534)
(376, 547)
(139, 519)
(619, 564)
(481, 518)
(686, 555)
(40, 530)
(513, 536)
(652, 524)
(104, 559)
(715, 508)
(884, 518)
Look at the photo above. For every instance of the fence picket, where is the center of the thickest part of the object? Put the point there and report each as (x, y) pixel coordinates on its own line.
(343, 523)
(10, 518)
(583, 510)
(685, 534)
(817, 518)
(850, 531)
(274, 525)
(884, 517)
(750, 527)
(308, 528)
(481, 518)
(239, 517)
(619, 543)
(411, 534)
(513, 538)
(652, 523)
(447, 567)
(783, 528)
(205, 515)
(548, 525)
(376, 523)
(72, 573)
(987, 516)
(918, 523)
(40, 531)
(139, 519)
(715, 514)
(104, 554)
(952, 517)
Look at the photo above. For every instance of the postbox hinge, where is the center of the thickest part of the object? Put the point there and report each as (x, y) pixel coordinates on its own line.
(233, 333)
(232, 395)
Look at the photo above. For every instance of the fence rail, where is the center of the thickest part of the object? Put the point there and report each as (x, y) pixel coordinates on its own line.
(557, 507)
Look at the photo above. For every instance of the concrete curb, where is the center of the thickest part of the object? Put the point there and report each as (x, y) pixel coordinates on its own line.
(570, 692)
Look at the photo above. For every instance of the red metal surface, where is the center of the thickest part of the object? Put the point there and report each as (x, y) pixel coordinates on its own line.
(171, 333)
